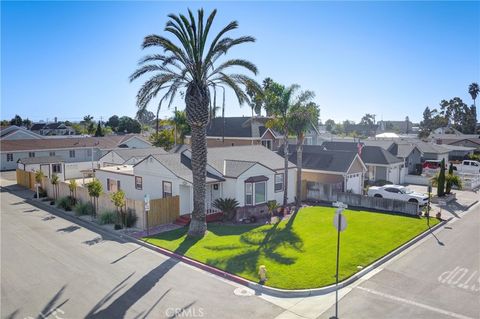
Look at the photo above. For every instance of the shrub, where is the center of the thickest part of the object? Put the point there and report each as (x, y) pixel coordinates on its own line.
(83, 209)
(129, 218)
(65, 203)
(227, 205)
(41, 193)
(107, 217)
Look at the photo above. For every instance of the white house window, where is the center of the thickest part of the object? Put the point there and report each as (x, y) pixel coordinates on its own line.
(9, 157)
(52, 153)
(57, 168)
(138, 182)
(260, 195)
(279, 182)
(267, 144)
(113, 185)
(248, 194)
(31, 154)
(72, 153)
(255, 193)
(167, 189)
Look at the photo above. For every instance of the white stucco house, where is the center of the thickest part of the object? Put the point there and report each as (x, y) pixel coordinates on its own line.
(252, 174)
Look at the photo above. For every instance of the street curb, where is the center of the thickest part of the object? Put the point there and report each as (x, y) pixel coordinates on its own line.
(277, 292)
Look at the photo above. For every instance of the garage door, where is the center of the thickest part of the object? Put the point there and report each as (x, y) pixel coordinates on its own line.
(354, 183)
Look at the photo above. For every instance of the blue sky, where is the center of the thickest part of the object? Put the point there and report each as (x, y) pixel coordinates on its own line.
(69, 59)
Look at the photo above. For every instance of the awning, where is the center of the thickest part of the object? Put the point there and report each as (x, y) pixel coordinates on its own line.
(254, 179)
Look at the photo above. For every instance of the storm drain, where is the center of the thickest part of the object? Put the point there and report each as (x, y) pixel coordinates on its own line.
(244, 292)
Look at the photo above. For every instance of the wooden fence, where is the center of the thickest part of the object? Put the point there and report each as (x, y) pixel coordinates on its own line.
(26, 179)
(163, 211)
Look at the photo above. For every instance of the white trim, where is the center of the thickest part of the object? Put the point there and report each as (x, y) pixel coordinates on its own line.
(268, 129)
(53, 149)
(323, 172)
(34, 135)
(363, 164)
(137, 137)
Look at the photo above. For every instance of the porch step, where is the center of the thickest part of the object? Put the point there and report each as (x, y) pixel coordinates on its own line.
(182, 220)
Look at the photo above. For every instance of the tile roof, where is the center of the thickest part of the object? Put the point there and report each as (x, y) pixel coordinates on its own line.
(105, 142)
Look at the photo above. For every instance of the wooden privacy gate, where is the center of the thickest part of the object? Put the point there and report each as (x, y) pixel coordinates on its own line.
(163, 211)
(26, 179)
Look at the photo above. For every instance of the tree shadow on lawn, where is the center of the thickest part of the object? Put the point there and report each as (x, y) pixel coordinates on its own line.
(263, 242)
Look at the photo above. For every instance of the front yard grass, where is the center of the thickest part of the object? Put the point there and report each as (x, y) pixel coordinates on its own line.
(299, 253)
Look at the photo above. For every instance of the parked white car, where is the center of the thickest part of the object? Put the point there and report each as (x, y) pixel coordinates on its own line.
(467, 166)
(398, 192)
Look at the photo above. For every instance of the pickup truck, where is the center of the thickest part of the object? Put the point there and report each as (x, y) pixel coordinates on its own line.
(398, 192)
(468, 166)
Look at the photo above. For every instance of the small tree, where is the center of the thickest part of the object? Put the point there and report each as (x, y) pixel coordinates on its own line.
(118, 199)
(452, 180)
(441, 180)
(38, 179)
(72, 186)
(227, 206)
(94, 191)
(55, 180)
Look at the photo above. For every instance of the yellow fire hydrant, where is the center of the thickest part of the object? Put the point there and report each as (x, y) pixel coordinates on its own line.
(262, 273)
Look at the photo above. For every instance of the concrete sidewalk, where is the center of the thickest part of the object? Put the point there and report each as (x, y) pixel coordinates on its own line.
(465, 200)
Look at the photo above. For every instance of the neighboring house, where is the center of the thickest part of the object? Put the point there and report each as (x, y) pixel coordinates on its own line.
(236, 131)
(411, 155)
(432, 151)
(466, 142)
(14, 132)
(49, 165)
(457, 152)
(252, 175)
(70, 149)
(381, 164)
(129, 156)
(55, 128)
(326, 171)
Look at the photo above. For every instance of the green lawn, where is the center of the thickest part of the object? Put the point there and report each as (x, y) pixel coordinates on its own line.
(301, 253)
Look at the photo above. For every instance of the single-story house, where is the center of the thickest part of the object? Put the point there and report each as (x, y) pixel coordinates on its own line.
(70, 149)
(381, 164)
(49, 165)
(432, 151)
(253, 175)
(325, 172)
(411, 156)
(457, 152)
(129, 156)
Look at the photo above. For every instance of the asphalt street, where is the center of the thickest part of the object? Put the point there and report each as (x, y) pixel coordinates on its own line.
(54, 268)
(439, 278)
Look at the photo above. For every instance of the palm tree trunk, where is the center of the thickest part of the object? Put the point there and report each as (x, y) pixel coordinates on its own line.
(299, 169)
(197, 101)
(285, 151)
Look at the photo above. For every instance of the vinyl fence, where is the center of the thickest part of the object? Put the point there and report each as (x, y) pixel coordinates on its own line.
(382, 204)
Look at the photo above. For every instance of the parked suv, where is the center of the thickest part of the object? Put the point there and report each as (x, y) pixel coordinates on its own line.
(398, 192)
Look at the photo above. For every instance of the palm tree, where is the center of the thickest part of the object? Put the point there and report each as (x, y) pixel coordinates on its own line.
(301, 118)
(278, 102)
(227, 205)
(193, 65)
(474, 89)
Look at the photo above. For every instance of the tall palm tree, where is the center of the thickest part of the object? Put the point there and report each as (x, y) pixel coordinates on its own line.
(474, 89)
(278, 102)
(192, 64)
(301, 118)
